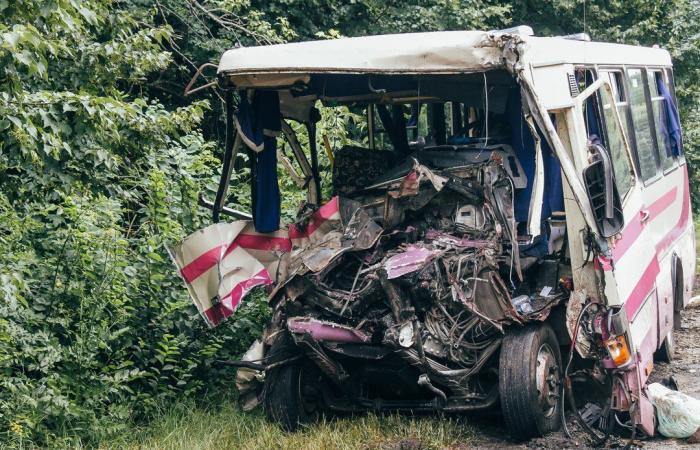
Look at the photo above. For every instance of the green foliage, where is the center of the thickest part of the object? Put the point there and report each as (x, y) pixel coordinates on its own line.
(361, 17)
(96, 179)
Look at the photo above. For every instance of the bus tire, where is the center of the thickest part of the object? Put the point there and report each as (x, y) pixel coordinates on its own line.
(530, 381)
(291, 395)
(667, 349)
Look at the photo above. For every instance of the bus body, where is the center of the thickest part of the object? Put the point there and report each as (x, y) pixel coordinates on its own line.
(514, 207)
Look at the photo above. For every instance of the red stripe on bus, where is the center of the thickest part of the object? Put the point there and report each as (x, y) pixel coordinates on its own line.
(201, 264)
(205, 261)
(260, 242)
(324, 213)
(217, 313)
(240, 289)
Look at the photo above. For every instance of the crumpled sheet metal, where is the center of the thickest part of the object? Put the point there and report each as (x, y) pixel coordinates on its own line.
(464, 242)
(319, 223)
(409, 184)
(219, 267)
(584, 346)
(221, 263)
(411, 260)
(326, 331)
(247, 379)
(361, 232)
(316, 257)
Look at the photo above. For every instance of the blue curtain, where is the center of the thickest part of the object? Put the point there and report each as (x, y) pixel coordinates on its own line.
(670, 121)
(259, 122)
(523, 145)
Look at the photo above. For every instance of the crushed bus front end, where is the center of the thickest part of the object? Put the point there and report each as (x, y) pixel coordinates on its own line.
(465, 257)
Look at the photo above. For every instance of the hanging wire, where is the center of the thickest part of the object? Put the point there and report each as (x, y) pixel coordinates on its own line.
(486, 115)
(486, 109)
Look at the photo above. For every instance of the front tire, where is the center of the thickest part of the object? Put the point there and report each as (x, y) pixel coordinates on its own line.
(283, 402)
(292, 392)
(529, 383)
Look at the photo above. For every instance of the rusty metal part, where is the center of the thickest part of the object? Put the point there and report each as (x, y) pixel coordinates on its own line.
(332, 369)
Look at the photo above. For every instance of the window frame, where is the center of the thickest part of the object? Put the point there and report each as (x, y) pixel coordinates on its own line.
(650, 118)
(650, 106)
(604, 127)
(671, 84)
(629, 129)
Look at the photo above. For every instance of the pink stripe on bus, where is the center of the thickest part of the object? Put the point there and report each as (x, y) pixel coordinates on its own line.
(648, 278)
(663, 202)
(634, 229)
(642, 289)
(682, 224)
(629, 236)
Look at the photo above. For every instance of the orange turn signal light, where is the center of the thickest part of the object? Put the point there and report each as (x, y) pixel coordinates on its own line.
(618, 350)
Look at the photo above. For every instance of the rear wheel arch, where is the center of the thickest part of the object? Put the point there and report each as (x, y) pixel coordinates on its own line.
(666, 348)
(678, 281)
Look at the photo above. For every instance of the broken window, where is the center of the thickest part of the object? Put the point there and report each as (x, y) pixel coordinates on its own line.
(615, 142)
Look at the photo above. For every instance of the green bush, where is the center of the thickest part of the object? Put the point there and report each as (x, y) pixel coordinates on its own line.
(96, 329)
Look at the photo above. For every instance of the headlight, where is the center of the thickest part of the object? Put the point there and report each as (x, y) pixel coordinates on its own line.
(619, 350)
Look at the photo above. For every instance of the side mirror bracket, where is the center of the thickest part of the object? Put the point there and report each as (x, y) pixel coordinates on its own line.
(599, 179)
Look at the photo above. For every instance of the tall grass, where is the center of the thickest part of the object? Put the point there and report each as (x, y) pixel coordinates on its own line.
(191, 427)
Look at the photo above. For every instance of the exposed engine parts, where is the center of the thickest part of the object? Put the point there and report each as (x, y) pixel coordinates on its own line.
(422, 266)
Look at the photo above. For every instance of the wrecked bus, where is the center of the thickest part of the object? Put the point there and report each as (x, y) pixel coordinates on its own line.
(518, 212)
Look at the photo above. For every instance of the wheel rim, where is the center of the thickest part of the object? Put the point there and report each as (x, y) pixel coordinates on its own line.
(547, 380)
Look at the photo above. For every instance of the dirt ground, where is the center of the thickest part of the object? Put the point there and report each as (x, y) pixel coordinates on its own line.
(685, 370)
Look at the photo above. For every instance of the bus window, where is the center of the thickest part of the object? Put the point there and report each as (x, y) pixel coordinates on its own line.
(663, 139)
(624, 176)
(642, 130)
(672, 94)
(591, 116)
(617, 84)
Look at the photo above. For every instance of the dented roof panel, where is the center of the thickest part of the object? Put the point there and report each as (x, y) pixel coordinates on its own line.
(444, 52)
(441, 52)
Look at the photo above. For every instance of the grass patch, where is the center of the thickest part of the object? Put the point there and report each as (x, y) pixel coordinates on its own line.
(228, 427)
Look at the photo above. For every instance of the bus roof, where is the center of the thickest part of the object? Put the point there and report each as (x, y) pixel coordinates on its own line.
(444, 52)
